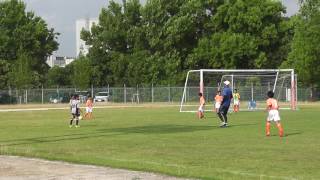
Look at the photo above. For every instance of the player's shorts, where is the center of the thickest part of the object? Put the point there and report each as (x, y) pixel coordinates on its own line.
(236, 102)
(201, 109)
(74, 116)
(273, 115)
(223, 109)
(217, 105)
(89, 109)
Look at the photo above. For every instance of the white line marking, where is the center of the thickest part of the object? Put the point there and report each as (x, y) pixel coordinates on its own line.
(96, 107)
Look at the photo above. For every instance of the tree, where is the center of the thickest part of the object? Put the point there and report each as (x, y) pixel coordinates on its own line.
(81, 76)
(21, 75)
(58, 76)
(4, 74)
(305, 54)
(247, 34)
(23, 32)
(157, 43)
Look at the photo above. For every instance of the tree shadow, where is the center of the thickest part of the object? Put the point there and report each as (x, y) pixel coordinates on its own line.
(49, 139)
(157, 129)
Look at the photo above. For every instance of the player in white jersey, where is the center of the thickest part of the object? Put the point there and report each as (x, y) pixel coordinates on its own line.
(75, 110)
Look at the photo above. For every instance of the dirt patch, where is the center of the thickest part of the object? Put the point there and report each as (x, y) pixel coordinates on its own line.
(18, 168)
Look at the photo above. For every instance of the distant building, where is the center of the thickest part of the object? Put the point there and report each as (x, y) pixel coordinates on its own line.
(85, 24)
(59, 61)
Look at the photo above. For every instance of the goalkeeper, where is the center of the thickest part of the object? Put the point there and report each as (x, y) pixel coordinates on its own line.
(225, 104)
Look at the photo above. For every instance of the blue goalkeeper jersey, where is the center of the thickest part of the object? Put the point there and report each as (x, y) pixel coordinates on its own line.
(227, 96)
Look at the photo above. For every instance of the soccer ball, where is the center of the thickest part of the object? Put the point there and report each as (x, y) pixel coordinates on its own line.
(80, 117)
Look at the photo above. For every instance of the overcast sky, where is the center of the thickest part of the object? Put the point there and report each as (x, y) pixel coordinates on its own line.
(62, 15)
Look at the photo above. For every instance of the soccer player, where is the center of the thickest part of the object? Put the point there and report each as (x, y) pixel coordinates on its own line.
(218, 99)
(273, 109)
(225, 104)
(201, 107)
(89, 107)
(236, 101)
(75, 110)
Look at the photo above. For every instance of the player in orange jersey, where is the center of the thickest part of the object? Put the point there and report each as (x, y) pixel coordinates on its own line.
(273, 109)
(89, 107)
(218, 99)
(201, 107)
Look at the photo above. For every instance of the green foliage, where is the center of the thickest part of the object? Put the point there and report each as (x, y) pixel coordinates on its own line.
(305, 53)
(81, 73)
(4, 74)
(157, 43)
(247, 34)
(22, 32)
(58, 76)
(22, 75)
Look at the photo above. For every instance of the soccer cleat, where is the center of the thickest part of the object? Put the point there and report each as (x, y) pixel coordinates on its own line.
(77, 126)
(222, 125)
(70, 126)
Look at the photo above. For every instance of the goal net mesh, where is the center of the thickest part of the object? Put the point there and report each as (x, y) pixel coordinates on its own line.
(252, 85)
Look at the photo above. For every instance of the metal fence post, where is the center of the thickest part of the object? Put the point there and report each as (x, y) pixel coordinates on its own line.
(42, 94)
(92, 90)
(152, 95)
(26, 96)
(169, 98)
(124, 93)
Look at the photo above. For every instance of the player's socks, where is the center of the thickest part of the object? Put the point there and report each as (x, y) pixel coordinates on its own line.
(280, 129)
(268, 128)
(71, 121)
(77, 122)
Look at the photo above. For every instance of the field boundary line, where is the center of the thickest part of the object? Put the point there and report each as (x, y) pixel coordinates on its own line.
(96, 107)
(217, 169)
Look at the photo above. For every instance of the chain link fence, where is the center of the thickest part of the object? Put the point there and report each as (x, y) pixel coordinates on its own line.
(167, 94)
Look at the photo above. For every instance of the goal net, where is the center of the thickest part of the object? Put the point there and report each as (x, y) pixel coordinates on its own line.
(252, 85)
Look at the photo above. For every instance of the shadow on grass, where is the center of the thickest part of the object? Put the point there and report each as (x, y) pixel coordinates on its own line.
(236, 125)
(52, 139)
(158, 129)
(292, 134)
(288, 134)
(155, 129)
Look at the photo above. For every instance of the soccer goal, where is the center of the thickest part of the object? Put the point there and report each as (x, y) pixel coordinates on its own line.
(252, 85)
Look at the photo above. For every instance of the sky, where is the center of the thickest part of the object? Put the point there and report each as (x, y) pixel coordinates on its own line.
(62, 15)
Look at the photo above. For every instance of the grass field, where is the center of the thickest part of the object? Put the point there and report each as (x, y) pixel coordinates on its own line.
(160, 139)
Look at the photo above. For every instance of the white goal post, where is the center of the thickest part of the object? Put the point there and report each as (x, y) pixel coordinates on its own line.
(252, 84)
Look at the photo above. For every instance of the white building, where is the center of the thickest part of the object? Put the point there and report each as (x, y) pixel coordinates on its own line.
(85, 24)
(59, 61)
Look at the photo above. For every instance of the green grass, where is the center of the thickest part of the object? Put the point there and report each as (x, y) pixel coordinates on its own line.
(166, 141)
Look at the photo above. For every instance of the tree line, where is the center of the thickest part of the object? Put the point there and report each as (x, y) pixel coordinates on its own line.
(158, 42)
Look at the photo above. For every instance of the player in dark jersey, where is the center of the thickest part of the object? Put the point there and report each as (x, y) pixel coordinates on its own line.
(225, 104)
(75, 110)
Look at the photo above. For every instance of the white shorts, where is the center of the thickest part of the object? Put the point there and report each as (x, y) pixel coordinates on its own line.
(273, 115)
(89, 109)
(236, 102)
(200, 109)
(217, 105)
